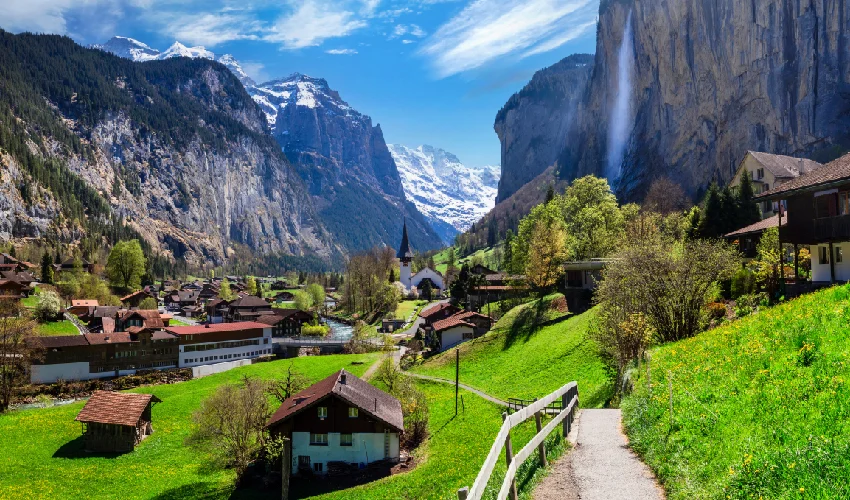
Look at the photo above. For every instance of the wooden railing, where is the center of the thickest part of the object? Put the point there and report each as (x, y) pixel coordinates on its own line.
(568, 395)
(516, 404)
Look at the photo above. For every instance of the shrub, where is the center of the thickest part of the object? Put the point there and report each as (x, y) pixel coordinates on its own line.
(559, 304)
(743, 282)
(716, 310)
(48, 307)
(315, 330)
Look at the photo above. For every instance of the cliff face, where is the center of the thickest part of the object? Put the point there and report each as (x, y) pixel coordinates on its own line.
(705, 82)
(533, 124)
(176, 148)
(345, 163)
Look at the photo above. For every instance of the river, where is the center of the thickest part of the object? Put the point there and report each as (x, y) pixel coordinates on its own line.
(339, 331)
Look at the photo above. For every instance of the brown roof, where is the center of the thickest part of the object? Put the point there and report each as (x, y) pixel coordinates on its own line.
(62, 341)
(785, 166)
(250, 301)
(150, 318)
(108, 338)
(356, 392)
(758, 226)
(834, 171)
(108, 325)
(218, 327)
(107, 407)
(84, 303)
(270, 319)
(134, 294)
(431, 311)
(159, 335)
(451, 322)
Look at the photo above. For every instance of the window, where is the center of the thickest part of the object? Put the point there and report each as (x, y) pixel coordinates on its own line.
(346, 440)
(823, 255)
(760, 174)
(317, 467)
(352, 412)
(844, 203)
(318, 439)
(838, 256)
(322, 412)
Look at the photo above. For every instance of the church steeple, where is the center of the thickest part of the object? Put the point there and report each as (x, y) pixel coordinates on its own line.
(404, 253)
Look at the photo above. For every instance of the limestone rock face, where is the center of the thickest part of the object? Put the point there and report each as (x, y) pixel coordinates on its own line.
(709, 81)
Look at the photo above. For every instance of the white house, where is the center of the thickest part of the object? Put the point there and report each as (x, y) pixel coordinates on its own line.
(405, 256)
(209, 344)
(340, 419)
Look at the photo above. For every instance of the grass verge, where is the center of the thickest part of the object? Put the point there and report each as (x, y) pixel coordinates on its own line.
(760, 406)
(57, 328)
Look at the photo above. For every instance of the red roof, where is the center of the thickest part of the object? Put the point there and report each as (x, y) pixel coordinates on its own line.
(106, 407)
(431, 311)
(84, 303)
(451, 322)
(108, 338)
(219, 327)
(346, 386)
(758, 227)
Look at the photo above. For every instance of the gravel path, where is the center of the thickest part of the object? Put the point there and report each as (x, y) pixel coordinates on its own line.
(601, 466)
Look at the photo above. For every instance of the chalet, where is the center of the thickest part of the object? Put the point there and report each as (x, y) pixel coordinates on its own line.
(136, 298)
(247, 308)
(208, 292)
(769, 171)
(747, 238)
(10, 289)
(9, 263)
(209, 344)
(68, 265)
(64, 357)
(102, 318)
(23, 277)
(82, 307)
(286, 322)
(458, 328)
(482, 270)
(339, 421)
(284, 296)
(438, 312)
(818, 215)
(215, 310)
(143, 318)
(115, 422)
(177, 300)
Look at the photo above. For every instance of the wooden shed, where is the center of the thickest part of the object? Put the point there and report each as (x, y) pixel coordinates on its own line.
(116, 422)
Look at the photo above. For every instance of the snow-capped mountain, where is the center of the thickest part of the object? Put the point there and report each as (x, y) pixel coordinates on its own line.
(442, 187)
(133, 49)
(297, 90)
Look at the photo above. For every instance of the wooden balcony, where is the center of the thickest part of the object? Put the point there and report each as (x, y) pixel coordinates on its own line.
(833, 228)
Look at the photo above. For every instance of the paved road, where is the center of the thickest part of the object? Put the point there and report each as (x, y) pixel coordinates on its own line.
(601, 466)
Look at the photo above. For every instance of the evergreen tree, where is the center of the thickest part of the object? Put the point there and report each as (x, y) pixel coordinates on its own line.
(46, 269)
(729, 220)
(550, 193)
(460, 286)
(507, 256)
(748, 210)
(711, 223)
(492, 232)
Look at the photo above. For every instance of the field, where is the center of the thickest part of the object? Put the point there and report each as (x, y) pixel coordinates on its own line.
(177, 322)
(517, 359)
(57, 328)
(42, 455)
(407, 307)
(760, 405)
(441, 258)
(454, 453)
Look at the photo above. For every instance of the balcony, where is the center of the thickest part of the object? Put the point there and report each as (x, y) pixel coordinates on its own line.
(833, 228)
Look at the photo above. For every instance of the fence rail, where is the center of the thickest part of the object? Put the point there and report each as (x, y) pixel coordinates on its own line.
(516, 404)
(568, 396)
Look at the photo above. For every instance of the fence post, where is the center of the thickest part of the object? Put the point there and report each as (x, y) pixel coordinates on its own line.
(566, 423)
(542, 447)
(509, 456)
(670, 390)
(462, 493)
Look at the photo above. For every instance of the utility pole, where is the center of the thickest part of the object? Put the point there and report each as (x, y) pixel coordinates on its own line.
(457, 376)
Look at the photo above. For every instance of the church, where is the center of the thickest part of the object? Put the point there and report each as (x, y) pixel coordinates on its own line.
(405, 255)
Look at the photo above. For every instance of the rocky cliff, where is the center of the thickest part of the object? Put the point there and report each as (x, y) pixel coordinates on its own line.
(176, 148)
(345, 163)
(683, 88)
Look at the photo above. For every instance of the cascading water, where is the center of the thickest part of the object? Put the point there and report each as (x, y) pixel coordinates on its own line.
(619, 125)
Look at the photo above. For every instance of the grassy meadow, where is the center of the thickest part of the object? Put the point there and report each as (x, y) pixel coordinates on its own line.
(42, 450)
(761, 406)
(520, 360)
(57, 328)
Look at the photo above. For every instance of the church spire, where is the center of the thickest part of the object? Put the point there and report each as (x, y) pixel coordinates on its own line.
(404, 252)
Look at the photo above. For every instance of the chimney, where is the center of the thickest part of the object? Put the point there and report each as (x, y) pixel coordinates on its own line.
(342, 378)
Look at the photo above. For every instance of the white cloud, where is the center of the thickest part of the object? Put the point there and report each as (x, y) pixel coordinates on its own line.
(341, 52)
(487, 30)
(39, 16)
(255, 70)
(556, 41)
(406, 41)
(402, 29)
(311, 24)
(417, 31)
(211, 29)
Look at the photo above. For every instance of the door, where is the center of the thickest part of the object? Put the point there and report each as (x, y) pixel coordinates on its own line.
(304, 463)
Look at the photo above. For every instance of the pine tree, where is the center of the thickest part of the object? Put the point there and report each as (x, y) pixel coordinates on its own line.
(748, 210)
(550, 193)
(711, 220)
(46, 269)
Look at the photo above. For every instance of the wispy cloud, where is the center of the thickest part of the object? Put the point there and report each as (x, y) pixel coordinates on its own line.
(341, 52)
(311, 24)
(487, 30)
(212, 29)
(556, 41)
(45, 16)
(403, 29)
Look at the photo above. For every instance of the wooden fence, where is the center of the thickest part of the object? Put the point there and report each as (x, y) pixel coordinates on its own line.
(568, 396)
(516, 404)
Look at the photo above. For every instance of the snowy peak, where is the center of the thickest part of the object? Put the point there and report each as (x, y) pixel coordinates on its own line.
(442, 187)
(129, 48)
(179, 50)
(298, 90)
(232, 64)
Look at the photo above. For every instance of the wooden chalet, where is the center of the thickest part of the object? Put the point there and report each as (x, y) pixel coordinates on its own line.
(286, 322)
(12, 290)
(82, 307)
(337, 424)
(142, 318)
(115, 422)
(9, 263)
(816, 212)
(181, 299)
(747, 238)
(247, 308)
(136, 298)
(68, 265)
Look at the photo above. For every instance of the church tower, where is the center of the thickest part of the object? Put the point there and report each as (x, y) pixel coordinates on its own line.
(405, 255)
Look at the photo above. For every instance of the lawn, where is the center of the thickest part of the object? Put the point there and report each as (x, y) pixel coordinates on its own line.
(31, 301)
(176, 322)
(407, 307)
(520, 360)
(441, 259)
(760, 405)
(57, 328)
(453, 454)
(42, 454)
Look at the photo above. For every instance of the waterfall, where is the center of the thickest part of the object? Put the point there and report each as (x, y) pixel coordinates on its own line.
(621, 114)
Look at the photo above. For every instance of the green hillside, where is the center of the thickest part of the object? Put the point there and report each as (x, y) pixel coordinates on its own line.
(519, 360)
(43, 453)
(760, 406)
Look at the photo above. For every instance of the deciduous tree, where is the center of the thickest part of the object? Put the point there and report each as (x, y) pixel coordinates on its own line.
(126, 265)
(19, 347)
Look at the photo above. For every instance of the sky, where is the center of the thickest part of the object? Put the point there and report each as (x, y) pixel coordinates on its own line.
(428, 71)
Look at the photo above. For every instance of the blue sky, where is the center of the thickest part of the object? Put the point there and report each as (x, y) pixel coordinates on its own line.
(429, 71)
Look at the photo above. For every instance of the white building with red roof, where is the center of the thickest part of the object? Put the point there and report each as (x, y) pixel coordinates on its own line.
(222, 342)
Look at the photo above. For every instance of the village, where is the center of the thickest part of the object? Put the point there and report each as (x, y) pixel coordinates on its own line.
(367, 418)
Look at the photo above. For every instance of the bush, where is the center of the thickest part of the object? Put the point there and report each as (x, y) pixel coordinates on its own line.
(48, 307)
(315, 330)
(716, 310)
(743, 282)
